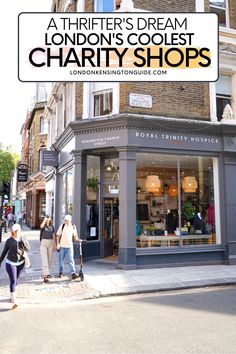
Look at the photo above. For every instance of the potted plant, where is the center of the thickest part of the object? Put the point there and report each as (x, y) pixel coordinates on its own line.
(92, 188)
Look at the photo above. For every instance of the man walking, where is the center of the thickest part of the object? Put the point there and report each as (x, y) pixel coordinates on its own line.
(65, 236)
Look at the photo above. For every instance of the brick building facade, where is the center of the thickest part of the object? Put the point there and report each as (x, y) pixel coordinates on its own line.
(110, 150)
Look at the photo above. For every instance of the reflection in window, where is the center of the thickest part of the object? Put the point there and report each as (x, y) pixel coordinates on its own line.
(219, 8)
(67, 193)
(158, 221)
(103, 103)
(92, 206)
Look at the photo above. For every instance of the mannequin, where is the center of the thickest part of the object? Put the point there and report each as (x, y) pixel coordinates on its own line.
(198, 223)
(170, 221)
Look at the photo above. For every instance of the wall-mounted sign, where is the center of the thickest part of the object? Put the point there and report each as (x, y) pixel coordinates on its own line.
(139, 100)
(22, 173)
(49, 158)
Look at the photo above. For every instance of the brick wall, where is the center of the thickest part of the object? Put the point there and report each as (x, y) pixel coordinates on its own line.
(79, 100)
(232, 13)
(38, 139)
(166, 5)
(185, 99)
(89, 5)
(206, 5)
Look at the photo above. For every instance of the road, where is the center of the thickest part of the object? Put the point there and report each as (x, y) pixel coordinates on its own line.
(191, 321)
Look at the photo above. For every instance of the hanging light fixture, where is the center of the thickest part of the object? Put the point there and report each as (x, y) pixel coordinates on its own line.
(152, 183)
(189, 184)
(173, 190)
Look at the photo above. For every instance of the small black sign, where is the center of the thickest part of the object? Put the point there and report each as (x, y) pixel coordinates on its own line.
(49, 158)
(22, 174)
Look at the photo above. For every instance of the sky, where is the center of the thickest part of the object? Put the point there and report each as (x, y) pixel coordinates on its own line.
(15, 95)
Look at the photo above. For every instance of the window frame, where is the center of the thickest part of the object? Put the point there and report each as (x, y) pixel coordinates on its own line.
(43, 125)
(226, 9)
(102, 93)
(223, 96)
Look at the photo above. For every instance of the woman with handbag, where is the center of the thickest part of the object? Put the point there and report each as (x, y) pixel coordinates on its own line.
(14, 249)
(47, 239)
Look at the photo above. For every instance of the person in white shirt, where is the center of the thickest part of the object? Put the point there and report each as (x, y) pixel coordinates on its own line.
(65, 236)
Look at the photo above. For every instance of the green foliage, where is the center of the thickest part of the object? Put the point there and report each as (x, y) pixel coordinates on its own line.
(92, 183)
(188, 210)
(8, 162)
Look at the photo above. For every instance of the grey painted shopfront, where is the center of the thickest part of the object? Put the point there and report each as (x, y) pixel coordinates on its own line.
(177, 146)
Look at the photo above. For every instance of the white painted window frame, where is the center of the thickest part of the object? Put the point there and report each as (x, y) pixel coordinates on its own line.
(227, 22)
(88, 98)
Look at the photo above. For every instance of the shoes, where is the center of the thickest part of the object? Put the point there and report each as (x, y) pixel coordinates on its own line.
(60, 275)
(45, 280)
(49, 276)
(74, 276)
(14, 306)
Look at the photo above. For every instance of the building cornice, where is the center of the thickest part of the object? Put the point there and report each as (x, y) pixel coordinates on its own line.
(152, 123)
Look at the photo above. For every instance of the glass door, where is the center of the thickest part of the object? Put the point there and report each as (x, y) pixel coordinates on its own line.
(110, 226)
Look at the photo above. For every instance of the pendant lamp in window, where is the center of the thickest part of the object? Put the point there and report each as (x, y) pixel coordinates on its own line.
(173, 190)
(189, 184)
(152, 184)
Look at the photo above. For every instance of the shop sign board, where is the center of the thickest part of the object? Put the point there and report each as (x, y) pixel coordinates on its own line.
(150, 138)
(22, 173)
(49, 158)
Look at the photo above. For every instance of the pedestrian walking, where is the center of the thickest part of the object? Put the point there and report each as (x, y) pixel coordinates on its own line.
(66, 234)
(47, 245)
(14, 249)
(10, 220)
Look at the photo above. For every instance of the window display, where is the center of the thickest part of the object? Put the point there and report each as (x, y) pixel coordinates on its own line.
(175, 200)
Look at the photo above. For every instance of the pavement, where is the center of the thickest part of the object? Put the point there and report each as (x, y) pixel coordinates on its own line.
(104, 278)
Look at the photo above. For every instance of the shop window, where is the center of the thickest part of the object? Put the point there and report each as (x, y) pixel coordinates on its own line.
(223, 94)
(92, 206)
(219, 8)
(43, 125)
(103, 103)
(41, 167)
(172, 214)
(67, 194)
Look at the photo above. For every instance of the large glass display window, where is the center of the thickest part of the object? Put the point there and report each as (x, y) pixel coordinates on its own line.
(175, 200)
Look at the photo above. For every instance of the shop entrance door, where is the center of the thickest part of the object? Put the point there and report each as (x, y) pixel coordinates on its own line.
(111, 226)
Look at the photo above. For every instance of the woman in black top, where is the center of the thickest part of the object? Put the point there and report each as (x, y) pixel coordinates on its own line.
(14, 249)
(47, 239)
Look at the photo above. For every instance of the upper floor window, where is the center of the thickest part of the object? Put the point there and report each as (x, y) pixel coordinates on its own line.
(102, 94)
(43, 125)
(103, 103)
(40, 166)
(219, 8)
(107, 5)
(223, 94)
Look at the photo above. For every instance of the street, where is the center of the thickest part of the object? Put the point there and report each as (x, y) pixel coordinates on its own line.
(190, 321)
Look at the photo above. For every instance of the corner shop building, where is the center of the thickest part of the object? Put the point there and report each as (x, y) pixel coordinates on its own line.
(117, 155)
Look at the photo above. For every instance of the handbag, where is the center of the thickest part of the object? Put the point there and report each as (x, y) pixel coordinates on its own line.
(27, 260)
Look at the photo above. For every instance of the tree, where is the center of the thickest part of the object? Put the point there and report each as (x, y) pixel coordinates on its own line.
(7, 165)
